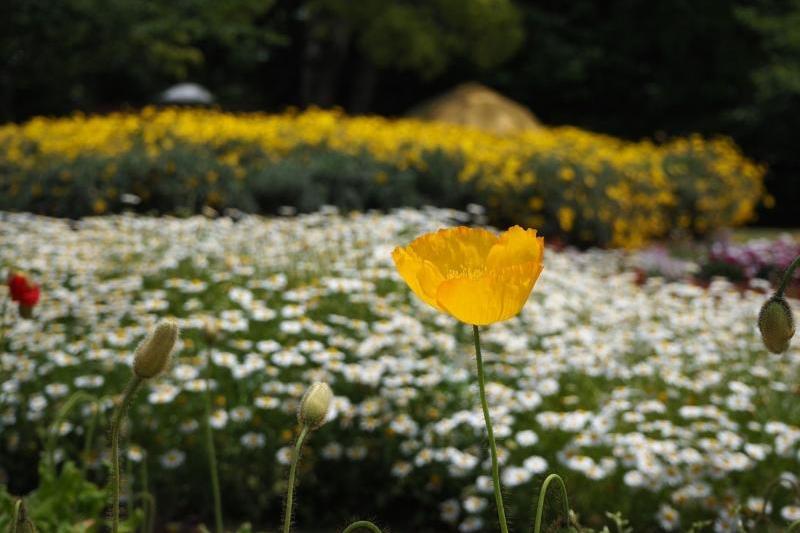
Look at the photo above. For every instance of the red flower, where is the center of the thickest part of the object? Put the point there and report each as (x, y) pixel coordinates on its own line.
(30, 297)
(25, 293)
(17, 286)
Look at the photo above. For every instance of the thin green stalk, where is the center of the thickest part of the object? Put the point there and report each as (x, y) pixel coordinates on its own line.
(150, 519)
(3, 329)
(287, 518)
(498, 495)
(794, 526)
(19, 510)
(212, 453)
(787, 276)
(537, 526)
(149, 510)
(781, 483)
(20, 521)
(116, 426)
(87, 444)
(69, 405)
(3, 319)
(129, 479)
(365, 524)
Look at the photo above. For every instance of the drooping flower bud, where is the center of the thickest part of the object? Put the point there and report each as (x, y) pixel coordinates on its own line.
(776, 323)
(153, 354)
(314, 405)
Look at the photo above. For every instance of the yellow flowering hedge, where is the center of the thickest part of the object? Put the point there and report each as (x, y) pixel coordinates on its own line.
(584, 187)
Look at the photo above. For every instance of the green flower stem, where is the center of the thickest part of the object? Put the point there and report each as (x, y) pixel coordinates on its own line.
(50, 445)
(781, 483)
(87, 444)
(116, 427)
(19, 513)
(212, 453)
(145, 480)
(20, 523)
(150, 518)
(149, 504)
(787, 276)
(287, 518)
(362, 524)
(3, 329)
(129, 478)
(537, 526)
(498, 495)
(3, 318)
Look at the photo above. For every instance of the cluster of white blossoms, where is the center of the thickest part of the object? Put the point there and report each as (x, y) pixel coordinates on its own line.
(655, 399)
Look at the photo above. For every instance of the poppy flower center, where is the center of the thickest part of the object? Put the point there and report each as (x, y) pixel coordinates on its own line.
(466, 272)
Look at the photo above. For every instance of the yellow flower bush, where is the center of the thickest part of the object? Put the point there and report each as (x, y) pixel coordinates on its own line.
(471, 273)
(581, 186)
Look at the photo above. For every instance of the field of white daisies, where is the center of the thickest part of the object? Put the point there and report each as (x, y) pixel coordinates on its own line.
(655, 400)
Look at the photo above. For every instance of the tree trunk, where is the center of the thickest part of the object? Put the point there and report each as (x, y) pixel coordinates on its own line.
(324, 54)
(363, 90)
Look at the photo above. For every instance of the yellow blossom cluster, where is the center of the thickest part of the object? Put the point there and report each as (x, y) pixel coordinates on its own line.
(583, 186)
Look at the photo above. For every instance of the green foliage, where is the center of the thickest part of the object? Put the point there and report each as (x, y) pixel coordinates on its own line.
(778, 25)
(585, 188)
(177, 181)
(711, 67)
(311, 177)
(64, 502)
(639, 68)
(768, 121)
(119, 50)
(427, 37)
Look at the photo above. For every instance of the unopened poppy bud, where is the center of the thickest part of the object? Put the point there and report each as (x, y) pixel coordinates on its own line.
(776, 323)
(153, 354)
(210, 330)
(314, 405)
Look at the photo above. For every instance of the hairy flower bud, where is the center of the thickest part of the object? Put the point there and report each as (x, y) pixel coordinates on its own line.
(153, 354)
(776, 323)
(314, 405)
(210, 330)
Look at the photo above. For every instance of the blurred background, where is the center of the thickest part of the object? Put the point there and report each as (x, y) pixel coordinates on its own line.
(652, 144)
(628, 68)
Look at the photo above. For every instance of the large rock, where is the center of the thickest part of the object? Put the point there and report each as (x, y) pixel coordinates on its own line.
(473, 104)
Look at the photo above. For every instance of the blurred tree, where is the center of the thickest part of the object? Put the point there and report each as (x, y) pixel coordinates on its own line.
(770, 119)
(636, 68)
(403, 35)
(631, 67)
(627, 67)
(60, 55)
(778, 25)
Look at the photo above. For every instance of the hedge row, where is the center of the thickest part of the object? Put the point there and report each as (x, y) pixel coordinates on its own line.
(581, 186)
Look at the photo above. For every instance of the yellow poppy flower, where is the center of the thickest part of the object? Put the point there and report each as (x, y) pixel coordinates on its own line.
(472, 274)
